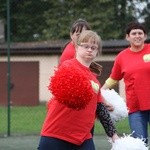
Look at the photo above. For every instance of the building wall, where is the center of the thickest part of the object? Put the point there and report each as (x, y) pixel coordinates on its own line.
(46, 69)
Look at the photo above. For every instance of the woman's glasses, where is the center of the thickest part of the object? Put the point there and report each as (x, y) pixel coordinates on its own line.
(87, 47)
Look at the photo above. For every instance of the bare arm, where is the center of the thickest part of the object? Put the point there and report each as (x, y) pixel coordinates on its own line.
(109, 83)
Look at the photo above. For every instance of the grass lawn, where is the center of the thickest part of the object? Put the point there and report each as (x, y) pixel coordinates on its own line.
(29, 120)
(24, 120)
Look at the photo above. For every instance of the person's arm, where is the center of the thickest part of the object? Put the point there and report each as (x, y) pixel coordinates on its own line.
(109, 83)
(105, 119)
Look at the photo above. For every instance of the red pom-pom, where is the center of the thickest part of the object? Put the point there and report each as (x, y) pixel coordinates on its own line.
(71, 87)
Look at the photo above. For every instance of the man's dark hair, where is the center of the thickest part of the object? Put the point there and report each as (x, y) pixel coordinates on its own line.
(135, 25)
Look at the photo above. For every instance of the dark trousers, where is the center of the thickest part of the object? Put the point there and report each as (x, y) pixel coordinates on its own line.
(50, 143)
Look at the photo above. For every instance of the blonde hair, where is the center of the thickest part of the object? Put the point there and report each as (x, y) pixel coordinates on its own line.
(92, 37)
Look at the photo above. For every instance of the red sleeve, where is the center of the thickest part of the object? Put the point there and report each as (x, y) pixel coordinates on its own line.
(68, 53)
(116, 72)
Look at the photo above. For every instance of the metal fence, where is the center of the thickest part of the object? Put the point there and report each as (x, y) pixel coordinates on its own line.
(32, 34)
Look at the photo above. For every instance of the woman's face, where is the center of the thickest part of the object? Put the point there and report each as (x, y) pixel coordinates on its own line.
(87, 51)
(136, 37)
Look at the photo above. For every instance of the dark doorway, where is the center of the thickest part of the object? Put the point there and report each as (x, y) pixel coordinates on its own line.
(24, 83)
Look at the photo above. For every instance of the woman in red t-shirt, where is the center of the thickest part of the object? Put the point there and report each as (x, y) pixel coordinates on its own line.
(76, 93)
(69, 51)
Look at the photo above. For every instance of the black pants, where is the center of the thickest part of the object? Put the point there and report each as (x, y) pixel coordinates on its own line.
(50, 143)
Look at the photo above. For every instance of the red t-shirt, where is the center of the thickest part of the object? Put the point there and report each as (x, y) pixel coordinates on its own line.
(68, 53)
(69, 124)
(134, 68)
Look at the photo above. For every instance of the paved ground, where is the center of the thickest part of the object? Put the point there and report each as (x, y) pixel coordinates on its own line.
(101, 143)
(31, 143)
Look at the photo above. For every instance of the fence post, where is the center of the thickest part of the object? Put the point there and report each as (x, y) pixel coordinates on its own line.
(8, 67)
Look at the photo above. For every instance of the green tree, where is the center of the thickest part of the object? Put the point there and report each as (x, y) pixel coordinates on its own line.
(34, 20)
(107, 17)
(27, 19)
(146, 16)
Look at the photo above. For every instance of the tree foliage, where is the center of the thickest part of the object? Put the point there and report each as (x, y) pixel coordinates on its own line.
(145, 14)
(33, 20)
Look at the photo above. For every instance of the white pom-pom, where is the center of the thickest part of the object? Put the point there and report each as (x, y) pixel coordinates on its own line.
(129, 143)
(120, 108)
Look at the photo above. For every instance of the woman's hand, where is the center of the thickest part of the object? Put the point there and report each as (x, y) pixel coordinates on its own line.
(109, 106)
(114, 137)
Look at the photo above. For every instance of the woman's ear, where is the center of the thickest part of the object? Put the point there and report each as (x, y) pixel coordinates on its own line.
(127, 37)
(71, 35)
(145, 37)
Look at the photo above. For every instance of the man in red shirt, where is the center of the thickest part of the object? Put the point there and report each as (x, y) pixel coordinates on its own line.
(133, 65)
